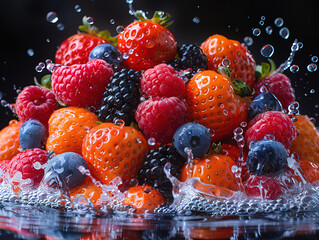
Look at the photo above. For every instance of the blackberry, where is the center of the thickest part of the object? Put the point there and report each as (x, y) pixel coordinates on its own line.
(122, 97)
(152, 172)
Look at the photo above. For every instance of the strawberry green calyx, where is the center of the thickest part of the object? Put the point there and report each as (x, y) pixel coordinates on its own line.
(159, 17)
(265, 69)
(94, 31)
(45, 82)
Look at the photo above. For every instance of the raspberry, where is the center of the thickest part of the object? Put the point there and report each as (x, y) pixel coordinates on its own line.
(3, 168)
(35, 103)
(159, 118)
(23, 162)
(162, 81)
(273, 123)
(82, 85)
(279, 85)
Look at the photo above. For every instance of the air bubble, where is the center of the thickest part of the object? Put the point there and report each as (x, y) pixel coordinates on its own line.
(279, 22)
(294, 68)
(52, 17)
(256, 31)
(314, 59)
(77, 8)
(269, 30)
(248, 41)
(284, 33)
(312, 67)
(30, 52)
(267, 50)
(196, 20)
(119, 29)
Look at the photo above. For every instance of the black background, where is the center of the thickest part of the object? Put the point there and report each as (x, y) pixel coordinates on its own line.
(24, 26)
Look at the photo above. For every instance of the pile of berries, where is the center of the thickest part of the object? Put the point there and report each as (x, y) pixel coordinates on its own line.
(140, 107)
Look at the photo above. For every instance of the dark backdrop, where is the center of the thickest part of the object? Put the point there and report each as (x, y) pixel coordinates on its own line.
(24, 26)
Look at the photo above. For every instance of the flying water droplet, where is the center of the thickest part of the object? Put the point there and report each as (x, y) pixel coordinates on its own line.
(312, 91)
(261, 22)
(284, 33)
(256, 32)
(294, 68)
(30, 52)
(196, 20)
(269, 30)
(77, 8)
(267, 50)
(52, 17)
(112, 21)
(279, 22)
(314, 59)
(312, 67)
(40, 67)
(119, 29)
(90, 20)
(60, 26)
(248, 41)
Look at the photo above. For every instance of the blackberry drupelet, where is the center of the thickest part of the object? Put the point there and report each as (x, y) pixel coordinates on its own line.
(122, 97)
(152, 172)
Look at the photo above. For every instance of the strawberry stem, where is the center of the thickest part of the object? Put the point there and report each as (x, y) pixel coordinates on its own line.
(159, 17)
(265, 69)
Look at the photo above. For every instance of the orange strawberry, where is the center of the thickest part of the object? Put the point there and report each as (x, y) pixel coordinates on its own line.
(311, 172)
(307, 142)
(209, 233)
(112, 150)
(213, 102)
(242, 64)
(214, 170)
(144, 198)
(9, 140)
(67, 128)
(88, 190)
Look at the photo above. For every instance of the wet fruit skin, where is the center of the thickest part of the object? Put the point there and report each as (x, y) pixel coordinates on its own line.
(32, 134)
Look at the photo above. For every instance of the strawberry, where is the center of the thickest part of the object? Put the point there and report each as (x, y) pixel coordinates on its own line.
(311, 171)
(144, 199)
(306, 143)
(24, 163)
(4, 168)
(82, 85)
(114, 151)
(9, 140)
(214, 170)
(276, 83)
(263, 187)
(88, 190)
(162, 81)
(67, 128)
(147, 42)
(274, 123)
(35, 103)
(213, 101)
(242, 64)
(159, 118)
(76, 48)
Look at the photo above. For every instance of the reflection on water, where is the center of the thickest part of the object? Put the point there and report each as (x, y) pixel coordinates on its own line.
(26, 222)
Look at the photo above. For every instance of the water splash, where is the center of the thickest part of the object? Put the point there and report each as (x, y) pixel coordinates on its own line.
(288, 62)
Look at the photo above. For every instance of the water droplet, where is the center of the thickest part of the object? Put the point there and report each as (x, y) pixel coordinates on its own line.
(269, 137)
(284, 33)
(40, 67)
(112, 21)
(60, 26)
(314, 59)
(125, 56)
(119, 122)
(312, 91)
(52, 17)
(312, 67)
(90, 20)
(196, 20)
(248, 41)
(256, 31)
(48, 40)
(243, 124)
(151, 141)
(294, 68)
(77, 8)
(261, 23)
(300, 45)
(30, 52)
(263, 18)
(119, 29)
(129, 1)
(267, 50)
(269, 30)
(294, 47)
(279, 22)
(226, 62)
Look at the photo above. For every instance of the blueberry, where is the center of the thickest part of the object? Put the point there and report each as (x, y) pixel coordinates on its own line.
(32, 134)
(192, 135)
(108, 53)
(266, 157)
(264, 102)
(66, 166)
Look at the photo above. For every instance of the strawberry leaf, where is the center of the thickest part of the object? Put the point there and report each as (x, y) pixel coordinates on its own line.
(224, 71)
(241, 88)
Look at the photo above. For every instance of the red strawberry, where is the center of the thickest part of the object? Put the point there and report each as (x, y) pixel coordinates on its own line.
(76, 49)
(263, 187)
(82, 85)
(4, 168)
(159, 118)
(279, 85)
(23, 162)
(274, 123)
(242, 64)
(162, 81)
(9, 140)
(144, 199)
(36, 103)
(147, 42)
